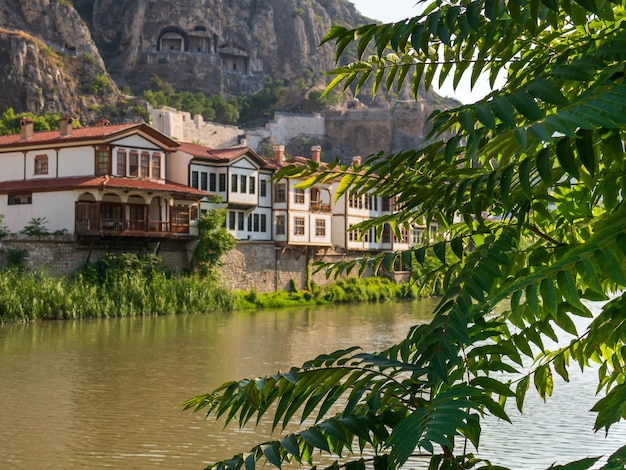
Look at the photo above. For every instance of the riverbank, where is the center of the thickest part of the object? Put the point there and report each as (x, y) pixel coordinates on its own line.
(139, 291)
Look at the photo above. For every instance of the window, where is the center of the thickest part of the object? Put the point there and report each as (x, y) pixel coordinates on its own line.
(240, 220)
(222, 181)
(133, 164)
(386, 238)
(231, 220)
(384, 203)
(252, 189)
(194, 179)
(298, 225)
(103, 161)
(145, 164)
(243, 186)
(375, 203)
(298, 196)
(250, 223)
(15, 199)
(233, 183)
(353, 235)
(367, 202)
(280, 194)
(320, 227)
(263, 223)
(263, 188)
(156, 166)
(204, 181)
(41, 165)
(121, 163)
(212, 183)
(256, 222)
(280, 225)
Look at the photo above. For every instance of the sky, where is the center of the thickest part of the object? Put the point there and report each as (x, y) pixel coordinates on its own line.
(395, 10)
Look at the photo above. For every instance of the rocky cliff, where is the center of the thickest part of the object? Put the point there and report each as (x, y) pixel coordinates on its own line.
(74, 56)
(214, 46)
(49, 63)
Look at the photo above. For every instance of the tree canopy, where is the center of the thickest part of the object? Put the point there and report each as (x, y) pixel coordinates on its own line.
(528, 184)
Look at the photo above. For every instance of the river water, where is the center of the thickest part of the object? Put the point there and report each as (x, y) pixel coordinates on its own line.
(106, 393)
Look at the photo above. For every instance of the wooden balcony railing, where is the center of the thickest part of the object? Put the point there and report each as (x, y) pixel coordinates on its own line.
(320, 206)
(89, 220)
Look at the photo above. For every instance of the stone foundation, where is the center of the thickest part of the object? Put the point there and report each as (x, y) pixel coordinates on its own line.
(263, 266)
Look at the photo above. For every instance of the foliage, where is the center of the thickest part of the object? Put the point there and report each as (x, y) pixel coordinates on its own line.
(98, 85)
(16, 258)
(126, 291)
(214, 241)
(113, 267)
(210, 107)
(536, 173)
(10, 122)
(4, 230)
(36, 227)
(370, 289)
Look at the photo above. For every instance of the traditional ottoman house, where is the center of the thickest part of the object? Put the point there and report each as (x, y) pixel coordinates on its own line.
(105, 182)
(302, 217)
(239, 177)
(350, 210)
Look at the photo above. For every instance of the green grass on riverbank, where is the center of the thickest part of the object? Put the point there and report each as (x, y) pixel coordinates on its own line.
(370, 289)
(27, 296)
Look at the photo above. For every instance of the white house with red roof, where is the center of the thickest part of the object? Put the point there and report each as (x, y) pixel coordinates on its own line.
(238, 176)
(351, 209)
(100, 182)
(302, 216)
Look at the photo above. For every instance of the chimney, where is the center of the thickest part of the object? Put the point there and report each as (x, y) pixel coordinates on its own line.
(102, 123)
(316, 153)
(66, 126)
(279, 153)
(356, 161)
(27, 127)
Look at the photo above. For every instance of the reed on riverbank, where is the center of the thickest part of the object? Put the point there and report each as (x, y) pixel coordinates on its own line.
(27, 296)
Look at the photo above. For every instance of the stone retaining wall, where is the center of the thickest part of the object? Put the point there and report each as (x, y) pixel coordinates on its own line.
(251, 265)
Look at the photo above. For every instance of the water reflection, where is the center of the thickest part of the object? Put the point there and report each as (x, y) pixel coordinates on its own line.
(105, 393)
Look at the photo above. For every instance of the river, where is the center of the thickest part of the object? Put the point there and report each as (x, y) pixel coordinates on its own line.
(106, 393)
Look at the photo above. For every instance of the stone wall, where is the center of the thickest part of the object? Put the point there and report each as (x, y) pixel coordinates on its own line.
(251, 265)
(267, 267)
(60, 255)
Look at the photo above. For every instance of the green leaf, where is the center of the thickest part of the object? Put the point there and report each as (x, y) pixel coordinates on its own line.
(520, 392)
(565, 155)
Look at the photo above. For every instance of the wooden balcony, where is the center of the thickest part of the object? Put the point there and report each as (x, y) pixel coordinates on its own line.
(129, 220)
(317, 206)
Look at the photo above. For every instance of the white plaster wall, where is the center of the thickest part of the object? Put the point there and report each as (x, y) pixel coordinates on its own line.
(339, 231)
(327, 238)
(15, 217)
(136, 141)
(12, 166)
(58, 209)
(30, 164)
(76, 161)
(177, 167)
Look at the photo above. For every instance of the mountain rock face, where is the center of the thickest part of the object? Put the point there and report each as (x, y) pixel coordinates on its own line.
(216, 46)
(49, 63)
(73, 57)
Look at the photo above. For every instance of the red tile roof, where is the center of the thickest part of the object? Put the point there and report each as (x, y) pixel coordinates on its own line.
(84, 133)
(99, 182)
(220, 155)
